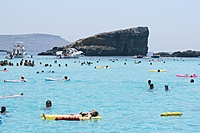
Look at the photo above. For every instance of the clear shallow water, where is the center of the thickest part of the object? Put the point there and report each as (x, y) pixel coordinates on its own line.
(119, 93)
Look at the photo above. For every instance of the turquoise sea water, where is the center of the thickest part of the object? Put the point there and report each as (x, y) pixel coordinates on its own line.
(120, 94)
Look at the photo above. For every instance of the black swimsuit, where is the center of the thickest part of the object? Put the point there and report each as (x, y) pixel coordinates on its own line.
(84, 114)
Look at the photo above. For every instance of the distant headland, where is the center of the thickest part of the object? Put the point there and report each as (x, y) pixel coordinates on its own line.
(33, 43)
(3, 50)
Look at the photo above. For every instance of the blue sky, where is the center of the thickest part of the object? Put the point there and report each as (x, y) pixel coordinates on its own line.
(173, 24)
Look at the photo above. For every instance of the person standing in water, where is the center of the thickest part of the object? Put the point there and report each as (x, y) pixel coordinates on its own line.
(166, 87)
(151, 87)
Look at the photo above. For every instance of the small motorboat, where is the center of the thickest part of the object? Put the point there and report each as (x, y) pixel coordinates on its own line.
(69, 53)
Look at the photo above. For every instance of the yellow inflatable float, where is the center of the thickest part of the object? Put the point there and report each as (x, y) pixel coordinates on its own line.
(67, 117)
(164, 70)
(171, 114)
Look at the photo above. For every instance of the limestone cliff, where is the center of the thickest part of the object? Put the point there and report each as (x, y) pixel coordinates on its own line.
(127, 42)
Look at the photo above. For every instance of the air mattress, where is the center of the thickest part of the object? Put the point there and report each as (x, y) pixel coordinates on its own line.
(67, 117)
(187, 76)
(4, 70)
(12, 96)
(171, 114)
(56, 79)
(15, 81)
(158, 70)
(101, 67)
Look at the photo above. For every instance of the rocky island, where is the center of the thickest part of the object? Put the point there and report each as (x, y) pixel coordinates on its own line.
(127, 42)
(187, 53)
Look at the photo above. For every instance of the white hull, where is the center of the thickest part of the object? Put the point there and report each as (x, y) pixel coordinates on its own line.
(19, 56)
(68, 53)
(18, 51)
(71, 56)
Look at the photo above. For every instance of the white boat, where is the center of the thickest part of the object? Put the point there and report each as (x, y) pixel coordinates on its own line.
(155, 56)
(18, 51)
(141, 57)
(138, 56)
(69, 53)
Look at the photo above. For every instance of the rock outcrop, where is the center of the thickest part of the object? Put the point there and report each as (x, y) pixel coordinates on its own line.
(126, 42)
(188, 53)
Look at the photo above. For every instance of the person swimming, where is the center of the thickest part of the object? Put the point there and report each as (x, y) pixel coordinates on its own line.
(92, 113)
(65, 78)
(48, 104)
(22, 79)
(3, 110)
(86, 115)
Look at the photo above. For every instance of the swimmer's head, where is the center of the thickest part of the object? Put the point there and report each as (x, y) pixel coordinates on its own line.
(48, 103)
(3, 108)
(94, 113)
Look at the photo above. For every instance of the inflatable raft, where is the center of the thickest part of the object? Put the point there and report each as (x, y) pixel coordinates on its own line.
(15, 81)
(12, 96)
(187, 76)
(55, 79)
(164, 70)
(67, 117)
(101, 67)
(3, 70)
(171, 114)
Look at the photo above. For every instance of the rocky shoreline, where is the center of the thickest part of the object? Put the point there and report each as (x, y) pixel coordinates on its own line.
(3, 50)
(187, 53)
